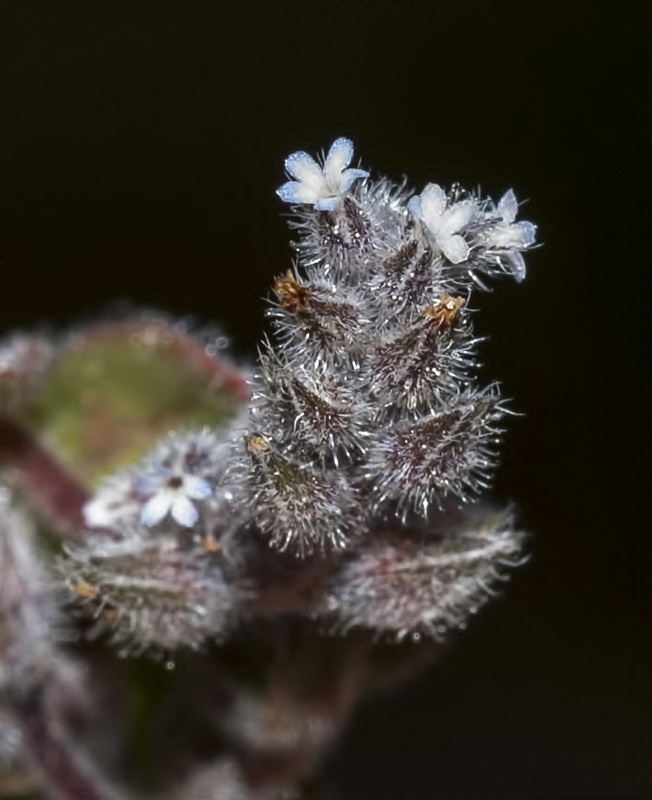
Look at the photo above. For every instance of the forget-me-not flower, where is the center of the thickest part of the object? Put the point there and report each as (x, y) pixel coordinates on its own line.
(509, 236)
(324, 186)
(172, 492)
(443, 224)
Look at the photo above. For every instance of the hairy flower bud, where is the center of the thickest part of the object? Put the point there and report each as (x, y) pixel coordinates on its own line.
(325, 415)
(298, 505)
(418, 464)
(415, 367)
(424, 580)
(318, 320)
(148, 593)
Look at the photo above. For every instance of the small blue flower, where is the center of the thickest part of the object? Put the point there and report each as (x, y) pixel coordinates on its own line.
(509, 237)
(172, 492)
(510, 233)
(324, 186)
(443, 222)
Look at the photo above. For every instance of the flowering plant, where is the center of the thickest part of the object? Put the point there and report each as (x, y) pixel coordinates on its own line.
(204, 566)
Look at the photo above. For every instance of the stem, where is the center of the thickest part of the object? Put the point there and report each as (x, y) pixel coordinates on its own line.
(40, 477)
(62, 771)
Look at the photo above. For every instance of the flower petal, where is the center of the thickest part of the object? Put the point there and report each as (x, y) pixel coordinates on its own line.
(454, 248)
(414, 206)
(196, 487)
(516, 235)
(156, 508)
(433, 203)
(517, 264)
(295, 192)
(303, 167)
(183, 511)
(350, 176)
(327, 203)
(527, 233)
(508, 206)
(152, 481)
(457, 217)
(338, 158)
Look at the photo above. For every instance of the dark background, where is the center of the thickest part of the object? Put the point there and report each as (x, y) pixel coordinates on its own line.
(142, 145)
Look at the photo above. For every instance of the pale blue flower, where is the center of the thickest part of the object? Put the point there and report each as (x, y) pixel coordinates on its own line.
(324, 186)
(508, 233)
(508, 236)
(172, 492)
(442, 222)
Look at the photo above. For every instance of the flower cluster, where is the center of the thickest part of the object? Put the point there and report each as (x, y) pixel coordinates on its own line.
(365, 404)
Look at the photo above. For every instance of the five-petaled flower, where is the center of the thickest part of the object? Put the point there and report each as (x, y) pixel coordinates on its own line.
(172, 491)
(510, 236)
(442, 222)
(324, 186)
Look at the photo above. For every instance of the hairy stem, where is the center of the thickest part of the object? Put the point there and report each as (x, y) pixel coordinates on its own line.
(62, 771)
(41, 478)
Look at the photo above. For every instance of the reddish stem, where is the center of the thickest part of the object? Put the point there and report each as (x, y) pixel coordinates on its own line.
(63, 771)
(41, 478)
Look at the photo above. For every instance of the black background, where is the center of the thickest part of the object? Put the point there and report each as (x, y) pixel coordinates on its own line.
(142, 146)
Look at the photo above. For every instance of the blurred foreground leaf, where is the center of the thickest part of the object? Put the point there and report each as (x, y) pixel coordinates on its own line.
(118, 387)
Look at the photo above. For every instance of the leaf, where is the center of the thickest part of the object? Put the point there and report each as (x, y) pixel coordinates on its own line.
(117, 387)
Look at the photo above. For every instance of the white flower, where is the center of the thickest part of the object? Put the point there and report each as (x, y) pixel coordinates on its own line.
(510, 236)
(508, 233)
(324, 186)
(442, 223)
(172, 492)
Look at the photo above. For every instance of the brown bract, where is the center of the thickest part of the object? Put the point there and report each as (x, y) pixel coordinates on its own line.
(290, 293)
(445, 309)
(257, 443)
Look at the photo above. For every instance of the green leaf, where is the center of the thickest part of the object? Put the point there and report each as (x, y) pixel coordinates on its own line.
(118, 387)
